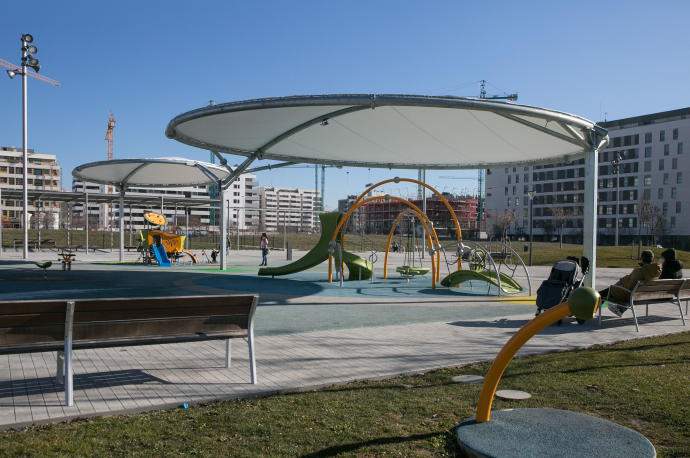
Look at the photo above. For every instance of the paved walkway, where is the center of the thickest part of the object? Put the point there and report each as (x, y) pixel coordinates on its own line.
(461, 330)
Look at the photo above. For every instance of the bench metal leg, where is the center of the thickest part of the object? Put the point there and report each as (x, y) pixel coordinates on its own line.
(60, 372)
(637, 327)
(228, 348)
(252, 361)
(680, 309)
(69, 319)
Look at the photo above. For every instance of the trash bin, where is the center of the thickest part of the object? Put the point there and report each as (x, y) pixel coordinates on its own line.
(288, 251)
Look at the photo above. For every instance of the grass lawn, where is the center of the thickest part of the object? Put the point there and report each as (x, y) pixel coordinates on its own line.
(643, 384)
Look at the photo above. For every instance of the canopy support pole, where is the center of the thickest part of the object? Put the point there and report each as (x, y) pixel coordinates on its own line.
(122, 223)
(222, 186)
(590, 212)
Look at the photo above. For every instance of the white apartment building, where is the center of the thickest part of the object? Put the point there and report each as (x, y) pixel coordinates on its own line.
(292, 208)
(241, 204)
(43, 174)
(653, 198)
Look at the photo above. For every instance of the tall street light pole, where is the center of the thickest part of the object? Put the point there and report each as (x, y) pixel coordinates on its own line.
(28, 61)
(615, 163)
(531, 195)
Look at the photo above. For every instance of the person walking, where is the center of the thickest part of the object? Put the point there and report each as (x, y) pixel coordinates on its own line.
(263, 244)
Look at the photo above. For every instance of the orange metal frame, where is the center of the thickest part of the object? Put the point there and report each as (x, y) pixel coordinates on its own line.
(346, 218)
(361, 203)
(390, 238)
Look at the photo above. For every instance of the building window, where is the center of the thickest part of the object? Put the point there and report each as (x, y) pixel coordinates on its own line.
(514, 190)
(647, 194)
(517, 201)
(509, 177)
(679, 178)
(675, 134)
(660, 195)
(662, 135)
(648, 137)
(667, 149)
(525, 178)
(664, 208)
(674, 163)
(505, 192)
(674, 193)
(665, 178)
(647, 166)
(647, 151)
(661, 164)
(680, 147)
(517, 179)
(678, 206)
(673, 221)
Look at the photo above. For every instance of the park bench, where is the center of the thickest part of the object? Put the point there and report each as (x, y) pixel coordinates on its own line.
(65, 325)
(653, 292)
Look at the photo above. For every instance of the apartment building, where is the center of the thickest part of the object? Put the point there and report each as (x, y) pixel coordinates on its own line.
(43, 174)
(293, 208)
(641, 185)
(241, 205)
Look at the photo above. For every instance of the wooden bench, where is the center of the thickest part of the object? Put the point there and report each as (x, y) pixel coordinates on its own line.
(653, 292)
(66, 325)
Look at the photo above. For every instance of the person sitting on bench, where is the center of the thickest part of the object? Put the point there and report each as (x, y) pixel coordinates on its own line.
(671, 268)
(648, 270)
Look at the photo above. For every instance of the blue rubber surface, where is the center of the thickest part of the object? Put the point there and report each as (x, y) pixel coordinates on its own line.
(550, 433)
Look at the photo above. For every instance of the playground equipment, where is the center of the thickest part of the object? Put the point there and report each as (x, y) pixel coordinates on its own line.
(409, 268)
(45, 266)
(427, 227)
(359, 202)
(359, 268)
(544, 431)
(162, 247)
(494, 263)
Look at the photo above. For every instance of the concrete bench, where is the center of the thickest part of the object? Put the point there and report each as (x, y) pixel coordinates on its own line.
(66, 325)
(652, 292)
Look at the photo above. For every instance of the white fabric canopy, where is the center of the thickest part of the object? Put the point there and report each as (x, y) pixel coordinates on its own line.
(163, 172)
(396, 131)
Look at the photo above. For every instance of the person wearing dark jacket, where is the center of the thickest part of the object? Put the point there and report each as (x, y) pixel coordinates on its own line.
(671, 268)
(648, 270)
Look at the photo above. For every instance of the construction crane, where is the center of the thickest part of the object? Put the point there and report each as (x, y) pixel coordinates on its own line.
(17, 70)
(109, 135)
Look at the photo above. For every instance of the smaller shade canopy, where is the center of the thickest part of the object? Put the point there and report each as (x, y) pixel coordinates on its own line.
(162, 172)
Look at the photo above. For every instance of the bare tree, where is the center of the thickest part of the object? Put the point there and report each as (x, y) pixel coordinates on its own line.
(658, 223)
(644, 216)
(49, 219)
(505, 220)
(561, 215)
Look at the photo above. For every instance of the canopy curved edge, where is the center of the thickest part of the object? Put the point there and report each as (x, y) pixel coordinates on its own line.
(598, 139)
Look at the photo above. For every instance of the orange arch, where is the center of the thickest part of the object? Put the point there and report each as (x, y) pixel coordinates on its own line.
(398, 199)
(346, 217)
(390, 238)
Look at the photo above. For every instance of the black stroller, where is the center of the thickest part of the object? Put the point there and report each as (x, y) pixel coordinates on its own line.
(565, 277)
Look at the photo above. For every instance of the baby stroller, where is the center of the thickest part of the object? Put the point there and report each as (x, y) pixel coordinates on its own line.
(565, 277)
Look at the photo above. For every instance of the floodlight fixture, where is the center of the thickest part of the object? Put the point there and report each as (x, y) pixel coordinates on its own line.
(27, 38)
(11, 73)
(31, 49)
(32, 61)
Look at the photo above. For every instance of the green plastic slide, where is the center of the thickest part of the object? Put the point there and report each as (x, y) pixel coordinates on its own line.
(318, 254)
(508, 285)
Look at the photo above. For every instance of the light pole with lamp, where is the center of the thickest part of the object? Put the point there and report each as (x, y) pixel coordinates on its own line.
(615, 164)
(28, 60)
(531, 195)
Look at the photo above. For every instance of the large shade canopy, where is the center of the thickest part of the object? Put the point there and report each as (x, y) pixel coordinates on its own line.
(395, 131)
(163, 172)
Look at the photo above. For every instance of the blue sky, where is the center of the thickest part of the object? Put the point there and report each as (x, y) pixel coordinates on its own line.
(149, 61)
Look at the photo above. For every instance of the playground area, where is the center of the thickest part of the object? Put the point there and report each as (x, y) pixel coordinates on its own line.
(310, 333)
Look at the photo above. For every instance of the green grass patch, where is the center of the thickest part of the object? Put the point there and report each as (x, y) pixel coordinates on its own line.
(642, 384)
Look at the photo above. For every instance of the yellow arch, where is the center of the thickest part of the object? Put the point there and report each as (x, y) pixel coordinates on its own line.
(398, 199)
(390, 238)
(346, 217)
